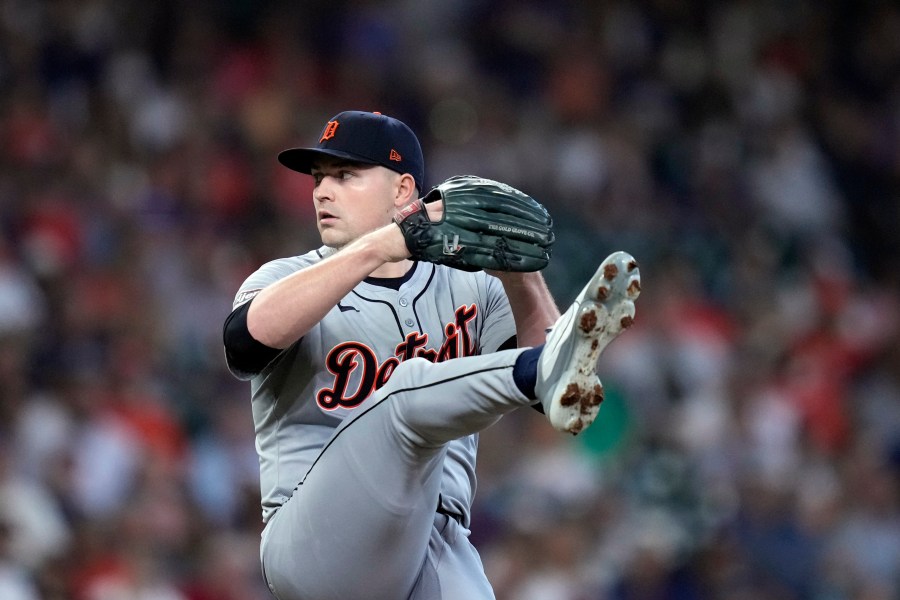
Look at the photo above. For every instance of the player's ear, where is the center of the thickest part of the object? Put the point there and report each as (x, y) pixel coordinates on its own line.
(406, 190)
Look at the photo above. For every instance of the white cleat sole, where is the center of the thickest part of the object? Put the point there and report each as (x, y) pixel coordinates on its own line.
(568, 385)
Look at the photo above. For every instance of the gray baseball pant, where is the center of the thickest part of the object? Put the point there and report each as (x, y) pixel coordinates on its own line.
(363, 524)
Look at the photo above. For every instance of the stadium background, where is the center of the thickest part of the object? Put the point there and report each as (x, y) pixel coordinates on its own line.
(747, 153)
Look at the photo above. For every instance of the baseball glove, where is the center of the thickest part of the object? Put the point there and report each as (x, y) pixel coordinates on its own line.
(486, 225)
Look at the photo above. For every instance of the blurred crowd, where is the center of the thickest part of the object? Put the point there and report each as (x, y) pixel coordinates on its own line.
(746, 152)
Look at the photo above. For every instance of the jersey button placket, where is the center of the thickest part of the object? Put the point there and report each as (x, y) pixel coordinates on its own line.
(406, 312)
(404, 303)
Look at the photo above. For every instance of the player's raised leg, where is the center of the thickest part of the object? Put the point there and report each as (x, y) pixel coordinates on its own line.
(567, 382)
(363, 517)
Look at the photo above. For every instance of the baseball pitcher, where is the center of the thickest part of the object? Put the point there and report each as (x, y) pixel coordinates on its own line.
(376, 359)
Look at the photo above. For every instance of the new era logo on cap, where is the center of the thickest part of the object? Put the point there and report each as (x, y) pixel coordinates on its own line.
(364, 137)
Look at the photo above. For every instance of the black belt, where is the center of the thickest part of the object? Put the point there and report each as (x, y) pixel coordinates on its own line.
(443, 511)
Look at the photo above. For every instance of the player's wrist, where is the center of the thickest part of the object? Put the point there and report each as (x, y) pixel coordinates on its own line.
(513, 280)
(386, 244)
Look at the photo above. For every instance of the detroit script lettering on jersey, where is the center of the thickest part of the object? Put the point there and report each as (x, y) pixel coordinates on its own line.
(344, 358)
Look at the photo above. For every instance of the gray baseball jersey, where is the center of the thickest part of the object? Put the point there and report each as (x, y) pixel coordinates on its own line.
(438, 313)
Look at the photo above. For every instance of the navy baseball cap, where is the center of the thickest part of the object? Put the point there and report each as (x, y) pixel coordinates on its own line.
(363, 137)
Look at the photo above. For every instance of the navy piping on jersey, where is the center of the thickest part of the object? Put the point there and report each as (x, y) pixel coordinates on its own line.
(424, 289)
(390, 306)
(389, 282)
(380, 402)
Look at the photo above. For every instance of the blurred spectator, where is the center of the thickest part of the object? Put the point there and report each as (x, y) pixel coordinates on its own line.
(15, 579)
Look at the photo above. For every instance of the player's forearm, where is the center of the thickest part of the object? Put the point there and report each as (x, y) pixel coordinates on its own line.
(285, 311)
(532, 304)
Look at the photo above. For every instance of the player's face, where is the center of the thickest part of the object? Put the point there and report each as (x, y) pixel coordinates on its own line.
(352, 199)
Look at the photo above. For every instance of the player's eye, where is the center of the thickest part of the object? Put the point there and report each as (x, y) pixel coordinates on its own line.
(345, 174)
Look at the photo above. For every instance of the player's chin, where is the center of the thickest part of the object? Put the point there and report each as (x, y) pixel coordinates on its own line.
(332, 237)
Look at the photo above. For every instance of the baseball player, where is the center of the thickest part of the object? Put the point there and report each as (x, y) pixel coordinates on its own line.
(374, 364)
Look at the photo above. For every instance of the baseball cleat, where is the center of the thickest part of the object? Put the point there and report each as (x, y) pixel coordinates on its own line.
(567, 383)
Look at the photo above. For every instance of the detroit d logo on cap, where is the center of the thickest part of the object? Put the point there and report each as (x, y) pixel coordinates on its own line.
(329, 131)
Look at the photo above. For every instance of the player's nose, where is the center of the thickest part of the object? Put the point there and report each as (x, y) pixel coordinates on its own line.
(323, 192)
